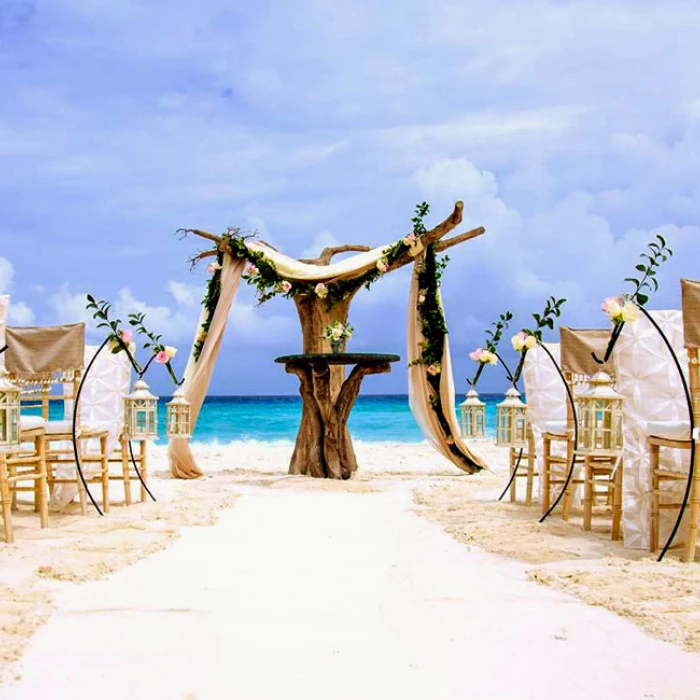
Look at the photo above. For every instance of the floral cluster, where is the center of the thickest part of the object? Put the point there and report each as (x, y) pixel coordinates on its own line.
(434, 369)
(122, 339)
(483, 356)
(338, 331)
(620, 310)
(523, 341)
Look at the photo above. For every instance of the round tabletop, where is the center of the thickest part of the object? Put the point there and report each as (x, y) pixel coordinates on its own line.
(339, 358)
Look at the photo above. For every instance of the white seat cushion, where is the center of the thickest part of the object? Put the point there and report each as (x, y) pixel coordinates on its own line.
(31, 422)
(555, 427)
(59, 427)
(669, 429)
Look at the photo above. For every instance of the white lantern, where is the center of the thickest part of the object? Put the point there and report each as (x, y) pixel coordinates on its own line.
(600, 417)
(473, 416)
(141, 413)
(9, 413)
(512, 421)
(178, 416)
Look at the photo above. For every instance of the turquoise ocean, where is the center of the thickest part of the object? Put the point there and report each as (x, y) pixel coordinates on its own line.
(374, 418)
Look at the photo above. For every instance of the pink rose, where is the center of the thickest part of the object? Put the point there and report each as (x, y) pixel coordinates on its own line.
(382, 266)
(286, 286)
(251, 270)
(321, 290)
(476, 355)
(162, 357)
(127, 336)
(434, 369)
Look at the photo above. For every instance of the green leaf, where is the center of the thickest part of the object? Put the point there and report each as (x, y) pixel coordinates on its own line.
(642, 299)
(632, 279)
(641, 268)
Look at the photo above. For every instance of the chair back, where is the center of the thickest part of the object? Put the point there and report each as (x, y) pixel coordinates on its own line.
(690, 303)
(647, 378)
(41, 358)
(105, 386)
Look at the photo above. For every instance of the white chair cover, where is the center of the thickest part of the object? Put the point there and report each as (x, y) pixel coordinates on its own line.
(545, 394)
(648, 379)
(101, 405)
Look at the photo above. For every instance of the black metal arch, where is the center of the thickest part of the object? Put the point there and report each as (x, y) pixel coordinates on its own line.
(76, 451)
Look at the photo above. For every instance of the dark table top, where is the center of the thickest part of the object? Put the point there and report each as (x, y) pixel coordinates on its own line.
(339, 358)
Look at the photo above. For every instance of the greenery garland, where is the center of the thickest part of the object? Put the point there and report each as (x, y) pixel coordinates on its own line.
(262, 274)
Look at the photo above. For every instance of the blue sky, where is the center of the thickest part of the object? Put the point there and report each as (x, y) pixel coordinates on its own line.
(571, 130)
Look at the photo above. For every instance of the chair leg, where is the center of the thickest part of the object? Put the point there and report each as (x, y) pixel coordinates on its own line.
(513, 460)
(6, 500)
(546, 466)
(144, 469)
(104, 471)
(530, 468)
(41, 486)
(616, 533)
(587, 493)
(694, 506)
(126, 471)
(81, 489)
(12, 472)
(654, 457)
(569, 493)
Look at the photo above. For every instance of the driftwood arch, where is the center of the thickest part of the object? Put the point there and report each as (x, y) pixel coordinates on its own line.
(315, 313)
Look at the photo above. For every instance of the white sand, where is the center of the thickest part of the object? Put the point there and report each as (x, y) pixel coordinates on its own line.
(310, 589)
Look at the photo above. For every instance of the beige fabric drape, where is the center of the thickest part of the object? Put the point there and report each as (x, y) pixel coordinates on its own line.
(577, 344)
(198, 372)
(419, 392)
(37, 353)
(690, 302)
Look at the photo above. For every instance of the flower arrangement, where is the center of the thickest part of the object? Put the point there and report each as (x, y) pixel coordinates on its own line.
(122, 339)
(484, 356)
(527, 338)
(337, 332)
(625, 308)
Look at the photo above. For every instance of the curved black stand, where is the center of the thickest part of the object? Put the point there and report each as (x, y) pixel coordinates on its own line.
(686, 391)
(517, 463)
(75, 439)
(512, 476)
(573, 457)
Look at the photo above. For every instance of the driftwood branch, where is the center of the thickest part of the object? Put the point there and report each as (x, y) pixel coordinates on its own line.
(328, 253)
(455, 240)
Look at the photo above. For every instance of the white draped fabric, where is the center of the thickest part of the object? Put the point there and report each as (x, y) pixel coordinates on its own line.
(546, 396)
(101, 406)
(648, 379)
(419, 392)
(293, 270)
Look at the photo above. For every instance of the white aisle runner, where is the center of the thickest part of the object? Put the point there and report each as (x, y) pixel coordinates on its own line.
(327, 595)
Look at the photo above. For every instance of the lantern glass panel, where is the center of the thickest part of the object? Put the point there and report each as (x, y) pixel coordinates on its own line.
(600, 417)
(9, 414)
(178, 417)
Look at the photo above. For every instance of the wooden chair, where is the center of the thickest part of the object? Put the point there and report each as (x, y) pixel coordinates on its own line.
(577, 365)
(515, 459)
(676, 434)
(18, 468)
(47, 364)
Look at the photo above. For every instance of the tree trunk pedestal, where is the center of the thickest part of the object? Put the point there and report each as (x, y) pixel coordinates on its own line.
(323, 448)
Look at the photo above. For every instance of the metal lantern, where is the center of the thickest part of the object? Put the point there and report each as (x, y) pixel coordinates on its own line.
(141, 413)
(512, 422)
(9, 413)
(178, 416)
(600, 417)
(473, 416)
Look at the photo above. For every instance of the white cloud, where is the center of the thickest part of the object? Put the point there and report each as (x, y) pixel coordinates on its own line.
(6, 274)
(324, 239)
(20, 314)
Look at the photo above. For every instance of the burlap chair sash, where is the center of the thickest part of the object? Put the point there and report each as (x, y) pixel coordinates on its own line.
(577, 344)
(45, 354)
(690, 301)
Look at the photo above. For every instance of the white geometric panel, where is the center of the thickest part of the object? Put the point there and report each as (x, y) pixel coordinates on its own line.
(545, 394)
(648, 379)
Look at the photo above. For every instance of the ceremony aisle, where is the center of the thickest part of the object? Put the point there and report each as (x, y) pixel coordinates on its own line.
(328, 590)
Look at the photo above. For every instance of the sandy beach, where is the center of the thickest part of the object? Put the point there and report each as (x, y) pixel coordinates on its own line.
(379, 584)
